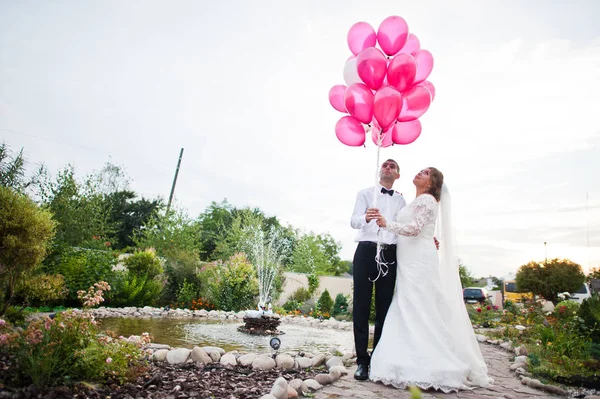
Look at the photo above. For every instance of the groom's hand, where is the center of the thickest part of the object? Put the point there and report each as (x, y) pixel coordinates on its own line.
(372, 213)
(381, 222)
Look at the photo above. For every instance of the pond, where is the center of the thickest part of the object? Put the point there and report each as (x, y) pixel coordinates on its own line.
(189, 333)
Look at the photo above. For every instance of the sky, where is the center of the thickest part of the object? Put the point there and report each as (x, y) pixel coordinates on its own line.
(243, 88)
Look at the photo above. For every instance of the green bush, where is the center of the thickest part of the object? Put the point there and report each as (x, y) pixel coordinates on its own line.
(230, 285)
(325, 303)
(300, 295)
(187, 292)
(134, 290)
(141, 284)
(292, 305)
(340, 306)
(590, 313)
(144, 263)
(81, 268)
(41, 289)
(180, 265)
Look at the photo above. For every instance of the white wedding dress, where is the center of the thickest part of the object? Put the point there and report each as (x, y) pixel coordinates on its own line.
(425, 339)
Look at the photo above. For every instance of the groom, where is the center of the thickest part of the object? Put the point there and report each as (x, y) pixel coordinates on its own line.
(365, 269)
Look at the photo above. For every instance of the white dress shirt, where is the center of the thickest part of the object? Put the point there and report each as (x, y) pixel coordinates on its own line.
(388, 205)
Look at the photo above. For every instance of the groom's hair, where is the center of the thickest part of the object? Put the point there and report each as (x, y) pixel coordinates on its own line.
(437, 179)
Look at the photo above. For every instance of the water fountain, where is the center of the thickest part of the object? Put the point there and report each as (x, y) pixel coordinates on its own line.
(266, 254)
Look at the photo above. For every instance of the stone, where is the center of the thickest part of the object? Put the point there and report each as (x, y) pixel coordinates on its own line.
(340, 369)
(292, 393)
(215, 356)
(324, 379)
(303, 362)
(246, 360)
(280, 388)
(263, 363)
(334, 361)
(199, 356)
(284, 361)
(318, 360)
(160, 355)
(268, 396)
(178, 356)
(228, 359)
(299, 386)
(312, 384)
(521, 359)
(481, 338)
(210, 349)
(335, 374)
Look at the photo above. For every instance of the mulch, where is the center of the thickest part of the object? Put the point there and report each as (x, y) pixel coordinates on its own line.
(164, 381)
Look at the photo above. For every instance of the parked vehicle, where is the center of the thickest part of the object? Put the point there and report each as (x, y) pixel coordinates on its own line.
(475, 295)
(582, 293)
(510, 292)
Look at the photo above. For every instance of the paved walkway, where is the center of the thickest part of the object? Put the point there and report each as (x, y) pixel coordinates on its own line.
(506, 384)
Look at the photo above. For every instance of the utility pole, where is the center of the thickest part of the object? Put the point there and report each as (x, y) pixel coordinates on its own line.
(175, 180)
(545, 253)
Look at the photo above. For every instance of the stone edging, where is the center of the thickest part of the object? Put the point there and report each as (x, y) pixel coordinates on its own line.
(335, 365)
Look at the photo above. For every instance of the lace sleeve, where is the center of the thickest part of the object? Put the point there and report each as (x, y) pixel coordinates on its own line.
(424, 212)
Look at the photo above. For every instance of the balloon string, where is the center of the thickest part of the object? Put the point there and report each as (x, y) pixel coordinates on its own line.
(382, 265)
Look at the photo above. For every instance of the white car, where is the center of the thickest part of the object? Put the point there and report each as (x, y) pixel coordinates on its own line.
(582, 293)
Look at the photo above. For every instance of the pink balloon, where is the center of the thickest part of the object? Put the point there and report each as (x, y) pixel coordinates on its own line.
(414, 103)
(406, 132)
(371, 65)
(386, 137)
(336, 97)
(402, 71)
(424, 65)
(350, 131)
(361, 36)
(429, 86)
(358, 100)
(392, 34)
(387, 106)
(412, 45)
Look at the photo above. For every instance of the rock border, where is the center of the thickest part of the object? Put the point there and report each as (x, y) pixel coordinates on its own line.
(334, 365)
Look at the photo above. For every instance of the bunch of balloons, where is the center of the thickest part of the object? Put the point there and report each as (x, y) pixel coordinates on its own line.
(386, 90)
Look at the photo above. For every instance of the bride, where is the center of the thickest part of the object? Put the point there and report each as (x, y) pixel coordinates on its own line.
(427, 338)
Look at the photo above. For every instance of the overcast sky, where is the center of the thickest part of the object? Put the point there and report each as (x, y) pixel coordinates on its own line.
(242, 86)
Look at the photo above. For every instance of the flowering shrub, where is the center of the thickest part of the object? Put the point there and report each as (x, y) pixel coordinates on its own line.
(484, 315)
(93, 296)
(142, 283)
(565, 310)
(194, 304)
(53, 351)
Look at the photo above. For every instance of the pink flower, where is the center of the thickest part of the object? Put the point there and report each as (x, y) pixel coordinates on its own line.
(108, 360)
(478, 310)
(2, 322)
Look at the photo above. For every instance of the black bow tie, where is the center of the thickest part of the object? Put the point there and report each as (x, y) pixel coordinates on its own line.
(386, 191)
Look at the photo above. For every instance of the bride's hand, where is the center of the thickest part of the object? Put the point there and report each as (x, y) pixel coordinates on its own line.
(381, 222)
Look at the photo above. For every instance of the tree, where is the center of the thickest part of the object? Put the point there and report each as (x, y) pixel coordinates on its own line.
(82, 214)
(318, 254)
(12, 170)
(129, 215)
(466, 278)
(594, 274)
(550, 278)
(25, 231)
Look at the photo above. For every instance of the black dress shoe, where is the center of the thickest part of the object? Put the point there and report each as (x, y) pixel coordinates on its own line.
(362, 372)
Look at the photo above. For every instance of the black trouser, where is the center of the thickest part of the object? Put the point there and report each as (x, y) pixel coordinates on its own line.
(365, 268)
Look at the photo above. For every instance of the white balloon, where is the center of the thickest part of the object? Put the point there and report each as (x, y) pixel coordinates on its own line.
(351, 72)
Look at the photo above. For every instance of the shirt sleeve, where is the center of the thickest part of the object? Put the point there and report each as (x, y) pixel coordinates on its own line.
(358, 220)
(424, 213)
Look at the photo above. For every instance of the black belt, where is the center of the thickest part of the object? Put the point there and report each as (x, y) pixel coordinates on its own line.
(374, 244)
